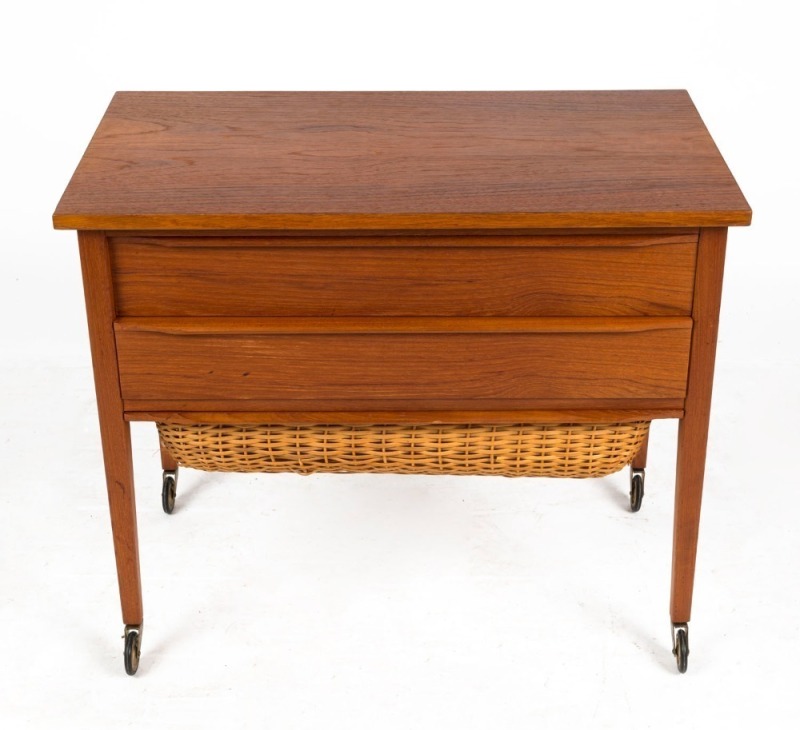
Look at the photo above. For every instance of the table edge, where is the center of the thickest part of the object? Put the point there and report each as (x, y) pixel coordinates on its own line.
(403, 221)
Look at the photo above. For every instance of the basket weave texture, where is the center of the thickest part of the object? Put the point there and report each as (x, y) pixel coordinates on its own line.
(517, 450)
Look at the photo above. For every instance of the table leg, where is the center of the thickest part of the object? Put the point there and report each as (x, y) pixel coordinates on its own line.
(167, 462)
(640, 460)
(693, 428)
(115, 434)
(116, 439)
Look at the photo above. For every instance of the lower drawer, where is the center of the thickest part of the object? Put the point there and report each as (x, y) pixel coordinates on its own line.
(460, 361)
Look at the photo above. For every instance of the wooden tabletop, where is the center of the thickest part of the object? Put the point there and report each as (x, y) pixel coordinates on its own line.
(400, 160)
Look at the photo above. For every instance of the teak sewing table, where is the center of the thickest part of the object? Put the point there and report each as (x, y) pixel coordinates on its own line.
(416, 259)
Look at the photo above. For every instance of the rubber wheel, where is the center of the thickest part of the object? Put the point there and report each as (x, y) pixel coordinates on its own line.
(681, 650)
(168, 493)
(133, 645)
(637, 492)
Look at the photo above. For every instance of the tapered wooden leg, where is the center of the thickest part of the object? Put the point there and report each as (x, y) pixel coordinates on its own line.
(122, 506)
(114, 430)
(688, 495)
(640, 460)
(693, 429)
(167, 462)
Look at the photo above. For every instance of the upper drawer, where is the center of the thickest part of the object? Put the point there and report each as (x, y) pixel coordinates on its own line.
(552, 275)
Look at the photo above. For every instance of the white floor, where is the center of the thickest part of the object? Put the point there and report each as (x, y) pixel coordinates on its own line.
(394, 602)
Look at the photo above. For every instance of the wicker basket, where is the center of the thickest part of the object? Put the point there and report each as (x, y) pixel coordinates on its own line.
(516, 450)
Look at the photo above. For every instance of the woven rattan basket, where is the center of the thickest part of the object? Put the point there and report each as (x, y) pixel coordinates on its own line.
(515, 450)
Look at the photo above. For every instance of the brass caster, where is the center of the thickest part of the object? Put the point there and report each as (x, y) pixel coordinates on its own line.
(169, 490)
(637, 489)
(680, 645)
(133, 648)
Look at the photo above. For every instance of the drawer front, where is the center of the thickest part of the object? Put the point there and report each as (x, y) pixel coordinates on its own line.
(586, 275)
(461, 362)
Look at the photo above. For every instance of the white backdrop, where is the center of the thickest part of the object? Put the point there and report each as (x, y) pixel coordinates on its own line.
(500, 613)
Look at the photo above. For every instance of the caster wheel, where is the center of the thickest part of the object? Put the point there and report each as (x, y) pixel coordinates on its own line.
(133, 647)
(680, 648)
(169, 490)
(637, 489)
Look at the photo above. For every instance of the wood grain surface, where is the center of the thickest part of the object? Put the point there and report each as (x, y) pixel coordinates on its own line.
(403, 160)
(648, 361)
(176, 412)
(114, 430)
(570, 236)
(641, 278)
(693, 427)
(640, 460)
(237, 326)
